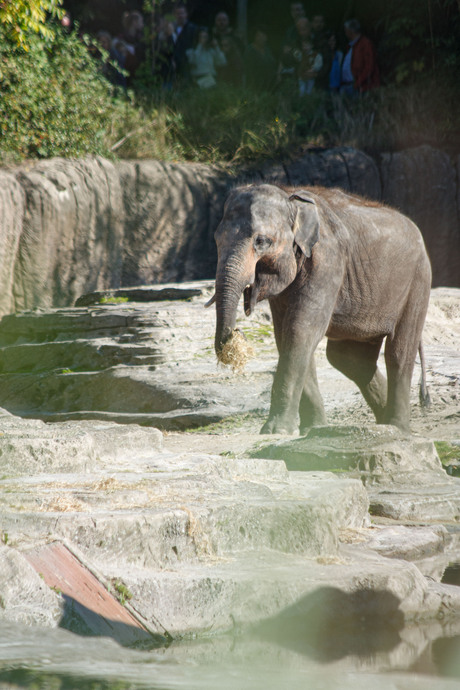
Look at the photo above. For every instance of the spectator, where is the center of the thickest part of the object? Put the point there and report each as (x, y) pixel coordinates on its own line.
(318, 30)
(204, 60)
(132, 36)
(185, 35)
(222, 29)
(260, 65)
(119, 48)
(319, 37)
(221, 26)
(333, 63)
(232, 72)
(163, 53)
(290, 49)
(360, 71)
(297, 12)
(67, 22)
(110, 59)
(310, 61)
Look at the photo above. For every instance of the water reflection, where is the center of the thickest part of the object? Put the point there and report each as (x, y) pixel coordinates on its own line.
(33, 680)
(330, 639)
(330, 624)
(445, 653)
(452, 574)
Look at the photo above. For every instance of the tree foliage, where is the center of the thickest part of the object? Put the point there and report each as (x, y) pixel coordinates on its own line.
(21, 19)
(420, 38)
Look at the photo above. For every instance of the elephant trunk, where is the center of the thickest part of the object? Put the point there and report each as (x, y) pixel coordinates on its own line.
(231, 279)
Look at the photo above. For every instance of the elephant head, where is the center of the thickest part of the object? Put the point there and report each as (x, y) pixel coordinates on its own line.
(263, 229)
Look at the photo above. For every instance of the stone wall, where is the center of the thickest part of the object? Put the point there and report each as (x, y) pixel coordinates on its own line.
(70, 227)
(424, 184)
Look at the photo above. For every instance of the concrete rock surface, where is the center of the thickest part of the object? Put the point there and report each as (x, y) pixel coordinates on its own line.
(180, 524)
(153, 363)
(203, 537)
(403, 475)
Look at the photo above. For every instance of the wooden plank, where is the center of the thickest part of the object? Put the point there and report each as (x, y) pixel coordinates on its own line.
(89, 607)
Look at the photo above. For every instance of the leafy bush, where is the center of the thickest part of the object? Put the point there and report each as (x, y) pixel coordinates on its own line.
(420, 38)
(54, 100)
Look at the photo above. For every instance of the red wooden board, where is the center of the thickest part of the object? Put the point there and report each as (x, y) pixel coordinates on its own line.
(85, 597)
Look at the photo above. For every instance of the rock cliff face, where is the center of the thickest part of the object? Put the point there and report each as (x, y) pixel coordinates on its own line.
(423, 183)
(62, 230)
(70, 227)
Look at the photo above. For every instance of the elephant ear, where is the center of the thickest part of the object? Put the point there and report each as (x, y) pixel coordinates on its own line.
(306, 221)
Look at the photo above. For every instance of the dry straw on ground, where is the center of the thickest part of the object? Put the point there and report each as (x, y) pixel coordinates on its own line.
(236, 352)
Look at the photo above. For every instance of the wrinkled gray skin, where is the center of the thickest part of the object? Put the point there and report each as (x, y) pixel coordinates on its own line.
(332, 264)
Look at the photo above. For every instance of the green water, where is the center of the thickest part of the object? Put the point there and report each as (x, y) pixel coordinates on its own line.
(290, 653)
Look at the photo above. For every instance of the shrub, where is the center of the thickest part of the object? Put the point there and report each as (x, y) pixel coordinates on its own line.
(54, 100)
(224, 124)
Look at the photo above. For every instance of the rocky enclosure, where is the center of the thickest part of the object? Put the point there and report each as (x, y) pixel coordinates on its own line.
(217, 527)
(70, 227)
(205, 526)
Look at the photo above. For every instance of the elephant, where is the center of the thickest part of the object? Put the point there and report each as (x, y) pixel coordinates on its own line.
(331, 264)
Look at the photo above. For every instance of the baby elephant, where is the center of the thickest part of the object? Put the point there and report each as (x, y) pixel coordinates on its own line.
(329, 263)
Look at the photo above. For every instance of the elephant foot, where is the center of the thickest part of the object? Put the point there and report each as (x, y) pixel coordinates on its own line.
(317, 419)
(279, 425)
(403, 427)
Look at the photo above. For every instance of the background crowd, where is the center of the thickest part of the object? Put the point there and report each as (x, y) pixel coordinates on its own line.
(142, 79)
(179, 53)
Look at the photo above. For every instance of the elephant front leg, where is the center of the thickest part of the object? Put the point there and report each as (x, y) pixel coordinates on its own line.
(311, 407)
(299, 326)
(288, 389)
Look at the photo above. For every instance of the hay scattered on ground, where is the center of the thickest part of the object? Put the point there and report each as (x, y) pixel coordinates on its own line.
(236, 352)
(62, 504)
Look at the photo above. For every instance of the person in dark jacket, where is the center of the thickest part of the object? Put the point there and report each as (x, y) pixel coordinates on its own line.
(259, 62)
(185, 38)
(333, 59)
(360, 71)
(163, 53)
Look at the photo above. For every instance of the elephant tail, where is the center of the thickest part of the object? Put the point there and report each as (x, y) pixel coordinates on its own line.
(424, 393)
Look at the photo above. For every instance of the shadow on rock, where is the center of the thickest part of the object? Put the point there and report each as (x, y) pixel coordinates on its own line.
(329, 624)
(82, 620)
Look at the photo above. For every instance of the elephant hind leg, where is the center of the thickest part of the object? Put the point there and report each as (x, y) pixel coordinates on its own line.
(358, 362)
(400, 354)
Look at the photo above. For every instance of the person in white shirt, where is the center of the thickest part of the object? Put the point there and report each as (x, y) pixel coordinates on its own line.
(204, 60)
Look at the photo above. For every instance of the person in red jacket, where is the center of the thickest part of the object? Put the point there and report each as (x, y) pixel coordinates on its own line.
(360, 71)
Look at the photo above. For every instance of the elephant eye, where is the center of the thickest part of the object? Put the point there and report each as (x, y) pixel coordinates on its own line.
(262, 242)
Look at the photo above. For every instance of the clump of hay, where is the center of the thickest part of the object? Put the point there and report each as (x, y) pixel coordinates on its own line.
(236, 352)
(62, 504)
